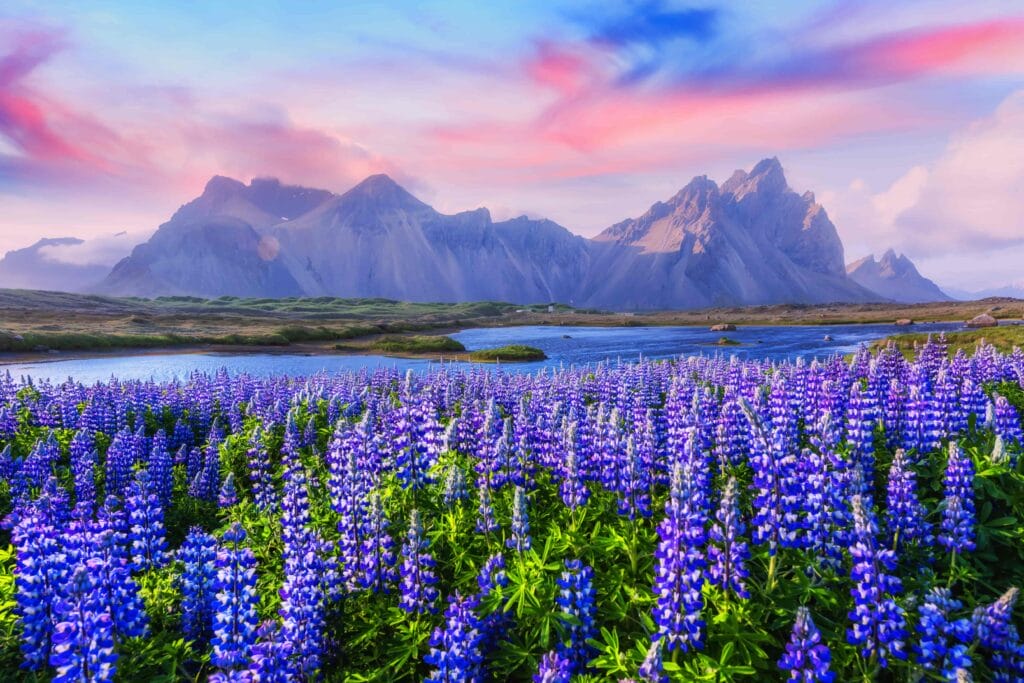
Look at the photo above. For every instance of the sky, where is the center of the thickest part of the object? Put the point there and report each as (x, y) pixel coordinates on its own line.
(906, 119)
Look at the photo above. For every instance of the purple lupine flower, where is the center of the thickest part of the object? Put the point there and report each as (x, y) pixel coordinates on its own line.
(485, 521)
(576, 600)
(269, 655)
(678, 575)
(878, 622)
(38, 574)
(455, 646)
(554, 668)
(651, 669)
(417, 571)
(263, 492)
(993, 624)
(573, 489)
(161, 469)
(996, 633)
(728, 552)
(906, 518)
(377, 563)
(861, 417)
(109, 543)
(958, 516)
(235, 619)
(83, 638)
(146, 520)
(1007, 422)
(807, 659)
(454, 487)
(84, 460)
(520, 539)
(942, 641)
(198, 583)
(228, 495)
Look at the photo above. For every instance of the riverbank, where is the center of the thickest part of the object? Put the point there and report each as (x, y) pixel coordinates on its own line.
(35, 324)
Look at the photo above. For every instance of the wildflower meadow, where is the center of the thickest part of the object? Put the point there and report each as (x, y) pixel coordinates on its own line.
(704, 519)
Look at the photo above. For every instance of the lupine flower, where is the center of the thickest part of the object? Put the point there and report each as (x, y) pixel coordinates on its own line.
(576, 600)
(958, 518)
(1007, 422)
(520, 540)
(146, 517)
(228, 495)
(454, 486)
(905, 516)
(993, 624)
(728, 553)
(198, 584)
(161, 469)
(378, 557)
(39, 571)
(259, 472)
(83, 638)
(554, 668)
(678, 574)
(455, 646)
(235, 619)
(943, 642)
(878, 623)
(574, 491)
(485, 521)
(651, 668)
(417, 575)
(807, 659)
(269, 655)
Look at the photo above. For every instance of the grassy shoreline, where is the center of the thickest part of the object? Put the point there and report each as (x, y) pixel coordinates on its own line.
(33, 323)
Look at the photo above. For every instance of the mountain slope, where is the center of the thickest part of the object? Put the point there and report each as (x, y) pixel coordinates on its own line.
(896, 278)
(213, 246)
(751, 241)
(66, 264)
(379, 240)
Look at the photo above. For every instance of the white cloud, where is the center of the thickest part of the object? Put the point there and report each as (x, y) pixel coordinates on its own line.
(974, 195)
(103, 251)
(964, 208)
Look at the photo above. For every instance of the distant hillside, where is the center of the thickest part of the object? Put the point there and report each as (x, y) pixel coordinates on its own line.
(896, 278)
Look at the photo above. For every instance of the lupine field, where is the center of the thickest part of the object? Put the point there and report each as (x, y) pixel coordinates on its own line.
(707, 519)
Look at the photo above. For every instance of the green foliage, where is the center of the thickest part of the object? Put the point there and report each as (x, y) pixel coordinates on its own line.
(416, 344)
(507, 354)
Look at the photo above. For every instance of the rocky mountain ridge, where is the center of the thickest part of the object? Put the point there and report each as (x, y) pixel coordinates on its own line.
(752, 240)
(895, 277)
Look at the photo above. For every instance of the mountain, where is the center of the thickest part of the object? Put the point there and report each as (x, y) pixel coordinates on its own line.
(896, 278)
(379, 240)
(66, 264)
(1013, 290)
(751, 241)
(215, 245)
(270, 240)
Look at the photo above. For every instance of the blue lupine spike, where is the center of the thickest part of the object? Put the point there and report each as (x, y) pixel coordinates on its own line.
(807, 658)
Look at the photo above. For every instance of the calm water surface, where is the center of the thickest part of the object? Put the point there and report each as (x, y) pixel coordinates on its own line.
(565, 346)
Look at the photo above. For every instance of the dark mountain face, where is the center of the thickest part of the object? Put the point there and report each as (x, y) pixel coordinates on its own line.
(750, 241)
(896, 278)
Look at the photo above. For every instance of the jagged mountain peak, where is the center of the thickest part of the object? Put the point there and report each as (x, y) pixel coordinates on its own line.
(894, 276)
(767, 178)
(750, 241)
